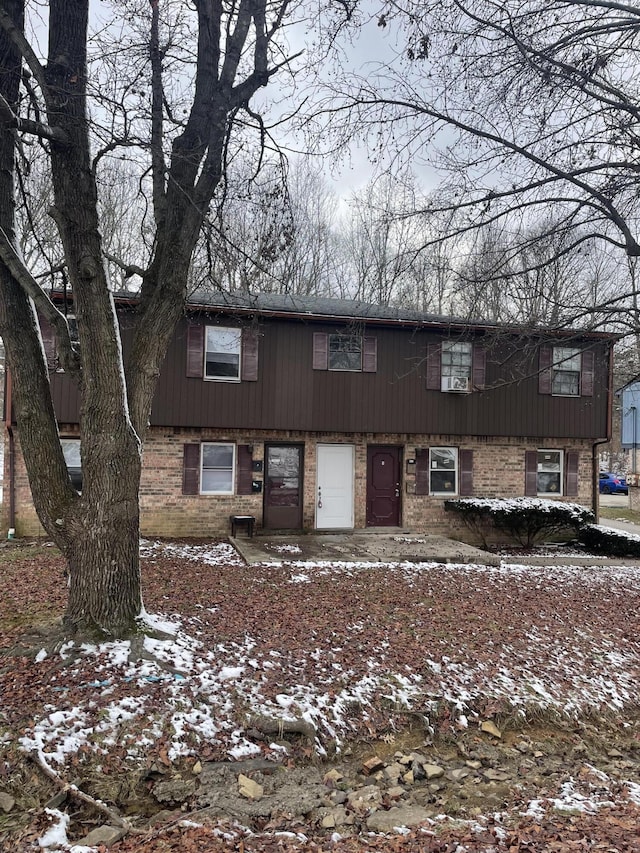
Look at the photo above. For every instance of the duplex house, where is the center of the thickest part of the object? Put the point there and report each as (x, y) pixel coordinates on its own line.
(312, 413)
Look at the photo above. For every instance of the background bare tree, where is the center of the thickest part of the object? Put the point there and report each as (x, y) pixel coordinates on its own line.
(529, 111)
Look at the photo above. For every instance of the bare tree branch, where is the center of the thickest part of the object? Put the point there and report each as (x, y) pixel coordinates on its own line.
(68, 355)
(25, 125)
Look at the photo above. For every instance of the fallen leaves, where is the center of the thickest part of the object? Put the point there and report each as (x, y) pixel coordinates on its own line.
(350, 650)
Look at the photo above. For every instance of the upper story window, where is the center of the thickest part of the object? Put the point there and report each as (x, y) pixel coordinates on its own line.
(567, 364)
(217, 468)
(566, 371)
(456, 366)
(226, 353)
(345, 352)
(222, 353)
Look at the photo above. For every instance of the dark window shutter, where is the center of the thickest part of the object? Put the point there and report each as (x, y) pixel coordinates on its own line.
(369, 355)
(422, 472)
(191, 470)
(571, 473)
(433, 367)
(249, 355)
(466, 472)
(320, 351)
(195, 350)
(479, 366)
(49, 342)
(545, 373)
(531, 473)
(586, 374)
(244, 474)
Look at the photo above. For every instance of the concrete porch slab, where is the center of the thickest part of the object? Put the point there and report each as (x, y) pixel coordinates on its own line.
(367, 546)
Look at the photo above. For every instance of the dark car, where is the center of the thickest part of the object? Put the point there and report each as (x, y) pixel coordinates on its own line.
(612, 484)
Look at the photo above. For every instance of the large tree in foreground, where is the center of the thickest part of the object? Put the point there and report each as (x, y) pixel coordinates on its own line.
(182, 117)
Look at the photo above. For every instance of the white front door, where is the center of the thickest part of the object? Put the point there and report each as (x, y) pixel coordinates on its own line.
(334, 486)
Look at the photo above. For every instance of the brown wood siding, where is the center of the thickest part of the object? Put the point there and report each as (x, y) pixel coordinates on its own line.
(291, 395)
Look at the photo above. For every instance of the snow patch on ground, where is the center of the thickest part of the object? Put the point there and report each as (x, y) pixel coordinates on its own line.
(205, 689)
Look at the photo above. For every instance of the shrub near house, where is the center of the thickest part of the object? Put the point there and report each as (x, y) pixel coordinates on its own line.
(523, 520)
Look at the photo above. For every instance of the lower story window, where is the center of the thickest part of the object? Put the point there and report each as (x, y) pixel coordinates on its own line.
(550, 463)
(443, 471)
(217, 474)
(71, 451)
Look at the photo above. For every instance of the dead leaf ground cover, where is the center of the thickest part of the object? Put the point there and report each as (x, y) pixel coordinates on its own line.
(355, 650)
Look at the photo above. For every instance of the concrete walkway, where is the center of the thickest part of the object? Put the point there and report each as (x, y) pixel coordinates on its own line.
(391, 545)
(369, 546)
(619, 524)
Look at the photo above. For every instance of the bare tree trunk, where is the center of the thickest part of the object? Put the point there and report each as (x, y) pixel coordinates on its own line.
(98, 530)
(104, 577)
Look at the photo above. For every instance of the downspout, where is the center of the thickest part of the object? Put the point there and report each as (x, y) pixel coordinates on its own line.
(8, 404)
(595, 464)
(634, 422)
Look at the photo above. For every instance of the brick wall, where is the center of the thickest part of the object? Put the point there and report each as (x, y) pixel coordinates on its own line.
(165, 511)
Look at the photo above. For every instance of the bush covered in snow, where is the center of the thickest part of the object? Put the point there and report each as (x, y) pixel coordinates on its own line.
(524, 520)
(612, 543)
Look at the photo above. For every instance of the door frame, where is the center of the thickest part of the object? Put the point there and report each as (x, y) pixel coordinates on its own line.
(398, 450)
(266, 507)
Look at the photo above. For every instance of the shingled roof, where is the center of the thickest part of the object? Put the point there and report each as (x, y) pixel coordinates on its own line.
(321, 307)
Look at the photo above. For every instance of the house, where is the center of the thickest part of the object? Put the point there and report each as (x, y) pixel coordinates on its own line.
(312, 413)
(629, 397)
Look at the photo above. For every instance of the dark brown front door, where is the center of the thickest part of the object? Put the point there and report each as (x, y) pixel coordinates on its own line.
(283, 487)
(383, 486)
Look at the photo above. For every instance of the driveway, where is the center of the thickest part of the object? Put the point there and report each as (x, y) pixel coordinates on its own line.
(621, 501)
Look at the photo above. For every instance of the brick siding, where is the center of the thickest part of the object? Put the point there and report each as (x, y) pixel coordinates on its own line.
(498, 471)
